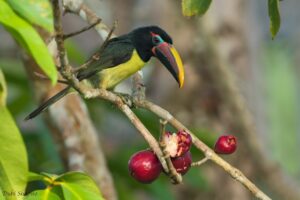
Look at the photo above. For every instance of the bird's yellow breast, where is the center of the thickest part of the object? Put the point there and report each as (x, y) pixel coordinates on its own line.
(110, 77)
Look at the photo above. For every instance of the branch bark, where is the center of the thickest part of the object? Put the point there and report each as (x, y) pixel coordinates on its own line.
(72, 129)
(228, 37)
(209, 153)
(115, 99)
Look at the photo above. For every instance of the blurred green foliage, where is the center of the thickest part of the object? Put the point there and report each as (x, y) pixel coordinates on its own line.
(37, 12)
(13, 157)
(194, 7)
(47, 158)
(279, 73)
(199, 7)
(282, 101)
(42, 194)
(28, 38)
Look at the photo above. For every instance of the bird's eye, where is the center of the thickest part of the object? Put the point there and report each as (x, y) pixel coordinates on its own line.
(156, 40)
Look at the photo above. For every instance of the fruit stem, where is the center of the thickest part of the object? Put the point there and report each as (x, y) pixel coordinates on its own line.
(172, 173)
(163, 124)
(200, 162)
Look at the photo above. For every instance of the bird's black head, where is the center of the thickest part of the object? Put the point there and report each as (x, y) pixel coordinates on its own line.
(144, 40)
(153, 41)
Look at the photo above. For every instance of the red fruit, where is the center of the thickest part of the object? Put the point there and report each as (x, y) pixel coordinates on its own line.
(184, 142)
(226, 144)
(144, 166)
(182, 164)
(178, 143)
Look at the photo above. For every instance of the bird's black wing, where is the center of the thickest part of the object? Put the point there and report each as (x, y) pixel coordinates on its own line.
(117, 51)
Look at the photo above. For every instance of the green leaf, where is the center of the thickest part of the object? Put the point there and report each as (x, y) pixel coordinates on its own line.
(282, 97)
(194, 7)
(48, 179)
(13, 157)
(3, 89)
(38, 12)
(274, 15)
(42, 195)
(35, 177)
(1, 195)
(71, 185)
(26, 36)
(79, 192)
(74, 52)
(77, 185)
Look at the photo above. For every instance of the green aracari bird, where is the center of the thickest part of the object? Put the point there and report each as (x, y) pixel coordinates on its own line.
(122, 57)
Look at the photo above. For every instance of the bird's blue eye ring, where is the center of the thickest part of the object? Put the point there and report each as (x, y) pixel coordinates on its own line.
(156, 39)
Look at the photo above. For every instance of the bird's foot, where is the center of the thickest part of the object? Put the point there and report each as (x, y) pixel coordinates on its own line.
(126, 98)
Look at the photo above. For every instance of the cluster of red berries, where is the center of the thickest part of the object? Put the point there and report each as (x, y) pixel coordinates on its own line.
(145, 167)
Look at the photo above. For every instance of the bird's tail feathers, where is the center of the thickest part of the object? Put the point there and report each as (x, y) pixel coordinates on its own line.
(48, 103)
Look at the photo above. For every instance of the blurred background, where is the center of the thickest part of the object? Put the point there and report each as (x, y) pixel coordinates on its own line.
(230, 59)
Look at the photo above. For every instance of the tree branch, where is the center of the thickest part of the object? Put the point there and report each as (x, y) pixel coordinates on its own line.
(75, 130)
(113, 98)
(97, 55)
(43, 77)
(138, 88)
(66, 36)
(79, 8)
(200, 162)
(176, 177)
(209, 153)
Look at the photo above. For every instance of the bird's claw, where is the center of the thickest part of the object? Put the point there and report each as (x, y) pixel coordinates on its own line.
(126, 98)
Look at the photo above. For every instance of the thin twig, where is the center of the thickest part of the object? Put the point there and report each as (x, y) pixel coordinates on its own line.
(102, 175)
(66, 36)
(163, 124)
(59, 34)
(200, 162)
(103, 94)
(97, 55)
(115, 99)
(90, 92)
(175, 177)
(138, 88)
(65, 67)
(43, 77)
(209, 153)
(79, 8)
